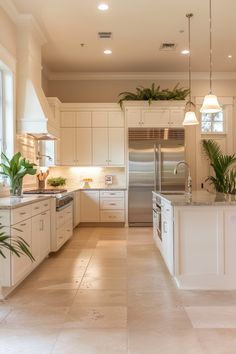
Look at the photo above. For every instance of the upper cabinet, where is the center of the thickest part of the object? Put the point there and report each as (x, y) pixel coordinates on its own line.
(157, 115)
(92, 135)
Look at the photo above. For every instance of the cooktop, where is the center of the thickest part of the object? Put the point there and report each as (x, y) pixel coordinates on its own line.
(45, 191)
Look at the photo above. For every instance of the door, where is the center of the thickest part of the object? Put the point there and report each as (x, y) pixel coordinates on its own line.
(171, 153)
(89, 206)
(22, 265)
(45, 235)
(83, 146)
(68, 146)
(141, 180)
(116, 146)
(100, 146)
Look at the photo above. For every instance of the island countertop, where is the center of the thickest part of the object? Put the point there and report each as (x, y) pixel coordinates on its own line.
(199, 198)
(12, 203)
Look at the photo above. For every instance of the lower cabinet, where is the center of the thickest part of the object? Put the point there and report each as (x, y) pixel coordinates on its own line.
(64, 226)
(35, 229)
(76, 206)
(89, 206)
(103, 206)
(167, 249)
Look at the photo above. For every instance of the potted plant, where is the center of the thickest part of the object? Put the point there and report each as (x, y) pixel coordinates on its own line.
(224, 180)
(154, 94)
(16, 245)
(15, 170)
(56, 181)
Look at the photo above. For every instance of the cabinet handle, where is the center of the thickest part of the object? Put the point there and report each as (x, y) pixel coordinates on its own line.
(23, 213)
(112, 203)
(23, 224)
(44, 213)
(45, 205)
(164, 226)
(36, 208)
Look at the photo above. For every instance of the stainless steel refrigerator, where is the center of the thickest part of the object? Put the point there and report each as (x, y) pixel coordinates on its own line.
(153, 154)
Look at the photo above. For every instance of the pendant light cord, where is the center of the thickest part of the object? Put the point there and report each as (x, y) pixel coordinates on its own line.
(189, 16)
(210, 37)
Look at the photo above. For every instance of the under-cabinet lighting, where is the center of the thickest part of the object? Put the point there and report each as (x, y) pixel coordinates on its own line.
(103, 6)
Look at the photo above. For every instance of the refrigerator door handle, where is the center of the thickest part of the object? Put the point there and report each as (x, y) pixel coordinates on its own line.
(159, 166)
(155, 167)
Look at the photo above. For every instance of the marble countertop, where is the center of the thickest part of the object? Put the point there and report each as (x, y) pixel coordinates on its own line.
(199, 198)
(14, 202)
(102, 188)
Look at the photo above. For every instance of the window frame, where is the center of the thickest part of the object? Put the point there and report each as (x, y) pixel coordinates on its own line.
(224, 121)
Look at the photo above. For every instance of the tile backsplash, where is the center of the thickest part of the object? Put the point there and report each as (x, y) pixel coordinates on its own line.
(75, 175)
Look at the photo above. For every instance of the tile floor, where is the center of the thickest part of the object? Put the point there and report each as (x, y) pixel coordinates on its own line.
(108, 292)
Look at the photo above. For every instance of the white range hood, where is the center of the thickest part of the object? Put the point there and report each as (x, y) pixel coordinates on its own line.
(34, 115)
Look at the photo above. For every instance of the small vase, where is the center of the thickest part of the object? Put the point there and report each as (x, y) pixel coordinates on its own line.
(86, 185)
(16, 189)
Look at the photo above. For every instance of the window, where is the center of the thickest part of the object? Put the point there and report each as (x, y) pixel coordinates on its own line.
(6, 111)
(213, 122)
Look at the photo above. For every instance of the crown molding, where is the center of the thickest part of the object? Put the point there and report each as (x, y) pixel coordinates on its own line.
(87, 76)
(22, 19)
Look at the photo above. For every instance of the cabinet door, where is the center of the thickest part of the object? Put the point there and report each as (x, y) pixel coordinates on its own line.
(68, 119)
(76, 208)
(84, 119)
(116, 119)
(22, 265)
(167, 238)
(116, 146)
(45, 235)
(83, 146)
(134, 118)
(36, 234)
(89, 206)
(156, 118)
(176, 118)
(68, 146)
(100, 119)
(100, 146)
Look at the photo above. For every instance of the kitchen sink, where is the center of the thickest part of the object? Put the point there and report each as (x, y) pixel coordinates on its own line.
(174, 193)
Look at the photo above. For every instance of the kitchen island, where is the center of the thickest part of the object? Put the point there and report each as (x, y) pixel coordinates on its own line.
(197, 239)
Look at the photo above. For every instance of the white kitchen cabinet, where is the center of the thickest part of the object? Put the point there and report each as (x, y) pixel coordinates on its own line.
(116, 155)
(36, 231)
(83, 146)
(68, 146)
(108, 146)
(89, 206)
(116, 119)
(112, 206)
(76, 208)
(83, 119)
(100, 147)
(41, 236)
(21, 266)
(167, 248)
(68, 119)
(165, 117)
(100, 119)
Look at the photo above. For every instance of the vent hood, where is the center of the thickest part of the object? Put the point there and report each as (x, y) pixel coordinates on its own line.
(34, 115)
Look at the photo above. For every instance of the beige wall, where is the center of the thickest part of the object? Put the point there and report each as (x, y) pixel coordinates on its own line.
(7, 33)
(108, 90)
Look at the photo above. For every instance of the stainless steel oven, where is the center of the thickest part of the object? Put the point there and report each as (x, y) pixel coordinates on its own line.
(157, 222)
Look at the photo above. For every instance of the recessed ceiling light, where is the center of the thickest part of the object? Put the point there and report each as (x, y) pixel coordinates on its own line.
(107, 51)
(185, 51)
(230, 56)
(103, 6)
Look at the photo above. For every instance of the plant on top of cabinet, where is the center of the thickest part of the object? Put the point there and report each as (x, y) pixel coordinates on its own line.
(154, 94)
(15, 170)
(17, 245)
(224, 180)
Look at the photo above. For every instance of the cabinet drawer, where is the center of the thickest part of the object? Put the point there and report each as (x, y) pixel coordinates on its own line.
(4, 217)
(68, 230)
(112, 216)
(36, 208)
(60, 237)
(60, 218)
(112, 203)
(20, 214)
(45, 205)
(112, 194)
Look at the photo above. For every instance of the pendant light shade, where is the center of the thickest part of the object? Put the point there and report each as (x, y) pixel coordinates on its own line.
(190, 116)
(210, 103)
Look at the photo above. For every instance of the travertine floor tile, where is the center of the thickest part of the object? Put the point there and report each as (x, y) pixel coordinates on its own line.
(217, 341)
(91, 341)
(104, 283)
(212, 316)
(96, 317)
(101, 298)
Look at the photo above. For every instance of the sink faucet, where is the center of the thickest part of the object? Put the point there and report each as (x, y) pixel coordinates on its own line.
(189, 180)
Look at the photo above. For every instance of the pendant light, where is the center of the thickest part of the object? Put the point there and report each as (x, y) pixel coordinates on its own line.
(210, 102)
(190, 116)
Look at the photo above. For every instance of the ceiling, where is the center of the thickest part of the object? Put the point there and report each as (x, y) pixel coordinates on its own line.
(138, 27)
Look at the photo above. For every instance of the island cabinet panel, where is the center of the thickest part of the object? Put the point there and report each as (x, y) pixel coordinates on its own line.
(230, 241)
(89, 211)
(200, 240)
